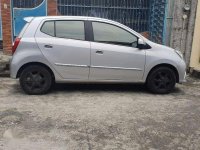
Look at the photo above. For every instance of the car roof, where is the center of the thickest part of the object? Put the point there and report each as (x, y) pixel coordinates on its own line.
(70, 17)
(29, 19)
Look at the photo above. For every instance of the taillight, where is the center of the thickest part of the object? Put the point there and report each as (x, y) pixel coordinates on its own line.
(16, 43)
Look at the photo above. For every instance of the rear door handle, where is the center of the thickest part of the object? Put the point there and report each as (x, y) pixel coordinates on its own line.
(99, 52)
(48, 46)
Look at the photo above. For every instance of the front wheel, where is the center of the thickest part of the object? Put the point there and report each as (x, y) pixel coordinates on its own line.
(161, 80)
(36, 80)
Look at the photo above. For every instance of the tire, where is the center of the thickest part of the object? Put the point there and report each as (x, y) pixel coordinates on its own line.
(161, 80)
(36, 80)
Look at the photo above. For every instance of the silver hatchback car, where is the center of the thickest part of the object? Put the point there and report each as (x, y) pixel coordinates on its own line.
(87, 49)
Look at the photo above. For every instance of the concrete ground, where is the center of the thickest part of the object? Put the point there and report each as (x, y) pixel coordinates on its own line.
(87, 117)
(4, 64)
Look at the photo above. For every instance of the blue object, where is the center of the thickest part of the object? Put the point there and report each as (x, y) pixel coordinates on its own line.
(20, 13)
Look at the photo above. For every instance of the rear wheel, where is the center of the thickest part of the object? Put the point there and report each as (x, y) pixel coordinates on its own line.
(36, 80)
(161, 80)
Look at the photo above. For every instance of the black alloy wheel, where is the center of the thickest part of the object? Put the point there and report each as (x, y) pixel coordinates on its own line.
(36, 80)
(161, 80)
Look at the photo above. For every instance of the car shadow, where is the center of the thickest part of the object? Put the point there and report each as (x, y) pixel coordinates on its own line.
(91, 88)
(122, 88)
(99, 87)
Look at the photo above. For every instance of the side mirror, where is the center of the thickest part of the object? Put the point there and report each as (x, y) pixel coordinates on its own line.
(142, 44)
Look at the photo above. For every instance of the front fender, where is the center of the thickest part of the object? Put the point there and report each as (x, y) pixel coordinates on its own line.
(150, 65)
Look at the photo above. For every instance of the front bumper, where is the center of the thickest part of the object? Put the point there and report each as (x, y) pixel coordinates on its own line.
(184, 79)
(182, 71)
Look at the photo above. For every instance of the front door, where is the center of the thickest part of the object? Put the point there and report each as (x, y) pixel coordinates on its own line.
(63, 44)
(114, 54)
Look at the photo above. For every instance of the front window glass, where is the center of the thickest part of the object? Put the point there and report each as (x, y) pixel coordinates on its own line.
(111, 34)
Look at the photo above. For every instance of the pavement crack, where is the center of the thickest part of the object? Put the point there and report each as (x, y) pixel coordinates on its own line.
(88, 139)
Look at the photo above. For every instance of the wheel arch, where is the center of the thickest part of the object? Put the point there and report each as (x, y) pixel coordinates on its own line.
(165, 65)
(34, 63)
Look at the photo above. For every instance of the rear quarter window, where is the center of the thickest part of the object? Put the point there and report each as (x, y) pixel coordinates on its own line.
(48, 28)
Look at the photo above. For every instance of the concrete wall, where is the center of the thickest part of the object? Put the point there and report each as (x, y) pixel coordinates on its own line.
(183, 26)
(195, 56)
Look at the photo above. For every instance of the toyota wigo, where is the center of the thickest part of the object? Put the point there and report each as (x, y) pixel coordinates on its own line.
(92, 50)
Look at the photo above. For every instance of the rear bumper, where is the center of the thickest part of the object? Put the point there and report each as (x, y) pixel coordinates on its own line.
(13, 70)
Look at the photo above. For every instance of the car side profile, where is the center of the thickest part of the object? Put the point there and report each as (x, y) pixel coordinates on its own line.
(65, 49)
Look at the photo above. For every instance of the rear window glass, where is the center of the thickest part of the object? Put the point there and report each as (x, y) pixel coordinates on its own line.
(70, 30)
(65, 29)
(48, 28)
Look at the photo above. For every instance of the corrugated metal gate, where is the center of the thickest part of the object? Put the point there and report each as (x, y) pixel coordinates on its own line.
(140, 15)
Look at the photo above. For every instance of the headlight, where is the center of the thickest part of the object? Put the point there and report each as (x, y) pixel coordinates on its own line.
(179, 53)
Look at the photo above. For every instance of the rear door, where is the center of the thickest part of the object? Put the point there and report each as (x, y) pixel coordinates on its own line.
(63, 43)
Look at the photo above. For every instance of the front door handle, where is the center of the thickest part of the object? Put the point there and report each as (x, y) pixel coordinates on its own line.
(48, 46)
(99, 52)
